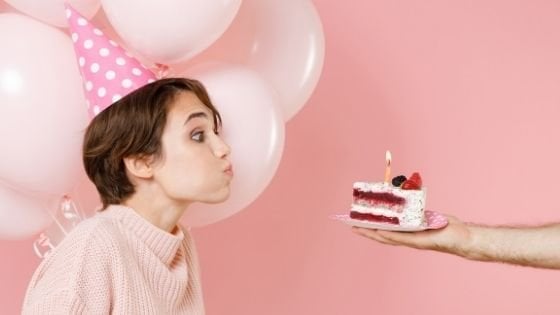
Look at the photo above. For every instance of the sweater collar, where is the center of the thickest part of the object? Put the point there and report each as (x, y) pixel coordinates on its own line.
(162, 243)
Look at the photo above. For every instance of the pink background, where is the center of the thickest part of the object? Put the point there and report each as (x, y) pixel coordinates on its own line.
(467, 93)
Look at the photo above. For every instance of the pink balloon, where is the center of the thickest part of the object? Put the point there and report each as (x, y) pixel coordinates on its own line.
(170, 31)
(254, 129)
(42, 108)
(52, 11)
(21, 215)
(282, 40)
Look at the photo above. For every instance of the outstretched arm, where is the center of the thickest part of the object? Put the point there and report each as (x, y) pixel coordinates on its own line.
(537, 246)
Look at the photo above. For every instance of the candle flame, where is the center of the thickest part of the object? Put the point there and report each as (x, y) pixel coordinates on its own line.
(388, 157)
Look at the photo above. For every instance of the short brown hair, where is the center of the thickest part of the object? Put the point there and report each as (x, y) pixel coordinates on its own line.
(132, 126)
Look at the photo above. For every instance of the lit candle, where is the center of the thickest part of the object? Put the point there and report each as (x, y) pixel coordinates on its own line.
(388, 166)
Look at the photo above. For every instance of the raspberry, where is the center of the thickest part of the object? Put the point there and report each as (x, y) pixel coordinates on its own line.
(410, 185)
(415, 177)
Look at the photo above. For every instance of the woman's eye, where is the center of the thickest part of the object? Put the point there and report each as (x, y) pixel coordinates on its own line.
(198, 136)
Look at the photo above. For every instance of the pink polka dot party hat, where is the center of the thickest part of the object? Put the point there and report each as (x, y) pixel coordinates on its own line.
(108, 71)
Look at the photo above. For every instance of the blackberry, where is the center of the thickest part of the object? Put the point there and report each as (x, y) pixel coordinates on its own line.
(397, 181)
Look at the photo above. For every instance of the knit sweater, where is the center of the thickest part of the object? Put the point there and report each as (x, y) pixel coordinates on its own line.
(116, 262)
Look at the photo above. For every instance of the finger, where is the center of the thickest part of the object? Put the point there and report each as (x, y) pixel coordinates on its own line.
(372, 234)
(414, 239)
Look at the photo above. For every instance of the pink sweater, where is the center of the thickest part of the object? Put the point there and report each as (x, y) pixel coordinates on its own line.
(118, 263)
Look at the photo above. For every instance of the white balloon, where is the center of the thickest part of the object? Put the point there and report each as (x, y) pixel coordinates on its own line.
(22, 215)
(281, 40)
(170, 31)
(52, 11)
(4, 7)
(42, 107)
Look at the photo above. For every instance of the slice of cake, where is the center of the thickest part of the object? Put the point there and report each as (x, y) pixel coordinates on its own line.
(400, 202)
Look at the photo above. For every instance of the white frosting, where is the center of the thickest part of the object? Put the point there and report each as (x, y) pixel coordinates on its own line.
(413, 210)
(374, 210)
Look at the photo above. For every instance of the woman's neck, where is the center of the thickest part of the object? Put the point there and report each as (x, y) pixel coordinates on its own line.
(161, 212)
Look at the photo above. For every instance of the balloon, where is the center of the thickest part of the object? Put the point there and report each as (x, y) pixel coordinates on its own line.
(170, 31)
(102, 22)
(21, 215)
(4, 7)
(254, 129)
(42, 108)
(282, 40)
(52, 11)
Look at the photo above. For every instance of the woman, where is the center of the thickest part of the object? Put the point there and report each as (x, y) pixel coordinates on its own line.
(150, 155)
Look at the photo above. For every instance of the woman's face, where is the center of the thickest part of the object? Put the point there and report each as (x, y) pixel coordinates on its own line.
(194, 165)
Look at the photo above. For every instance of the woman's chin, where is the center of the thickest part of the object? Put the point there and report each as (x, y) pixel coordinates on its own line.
(220, 197)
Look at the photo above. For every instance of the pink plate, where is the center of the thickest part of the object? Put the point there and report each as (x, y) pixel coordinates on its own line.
(435, 221)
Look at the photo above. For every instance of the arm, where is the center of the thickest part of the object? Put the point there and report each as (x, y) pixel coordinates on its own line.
(75, 278)
(63, 302)
(537, 246)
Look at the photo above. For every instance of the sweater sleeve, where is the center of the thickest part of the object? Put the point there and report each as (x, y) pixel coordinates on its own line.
(75, 278)
(63, 302)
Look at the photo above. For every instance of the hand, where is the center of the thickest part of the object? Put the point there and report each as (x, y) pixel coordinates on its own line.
(454, 238)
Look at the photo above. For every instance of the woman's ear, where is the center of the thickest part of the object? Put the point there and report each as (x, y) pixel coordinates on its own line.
(139, 166)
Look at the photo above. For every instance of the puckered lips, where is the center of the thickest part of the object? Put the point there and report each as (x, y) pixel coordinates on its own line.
(229, 170)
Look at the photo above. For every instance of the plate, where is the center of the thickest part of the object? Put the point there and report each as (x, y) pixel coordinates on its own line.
(435, 221)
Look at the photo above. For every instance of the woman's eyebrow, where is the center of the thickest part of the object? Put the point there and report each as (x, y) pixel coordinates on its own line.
(196, 115)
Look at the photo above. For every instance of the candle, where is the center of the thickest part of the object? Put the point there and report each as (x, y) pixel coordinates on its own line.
(388, 166)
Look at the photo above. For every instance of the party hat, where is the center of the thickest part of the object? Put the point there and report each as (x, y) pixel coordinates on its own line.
(109, 73)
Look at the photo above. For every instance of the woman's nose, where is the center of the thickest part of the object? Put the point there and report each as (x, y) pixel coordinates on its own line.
(221, 148)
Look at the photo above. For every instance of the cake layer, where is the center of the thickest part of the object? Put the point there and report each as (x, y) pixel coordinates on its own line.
(382, 197)
(373, 218)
